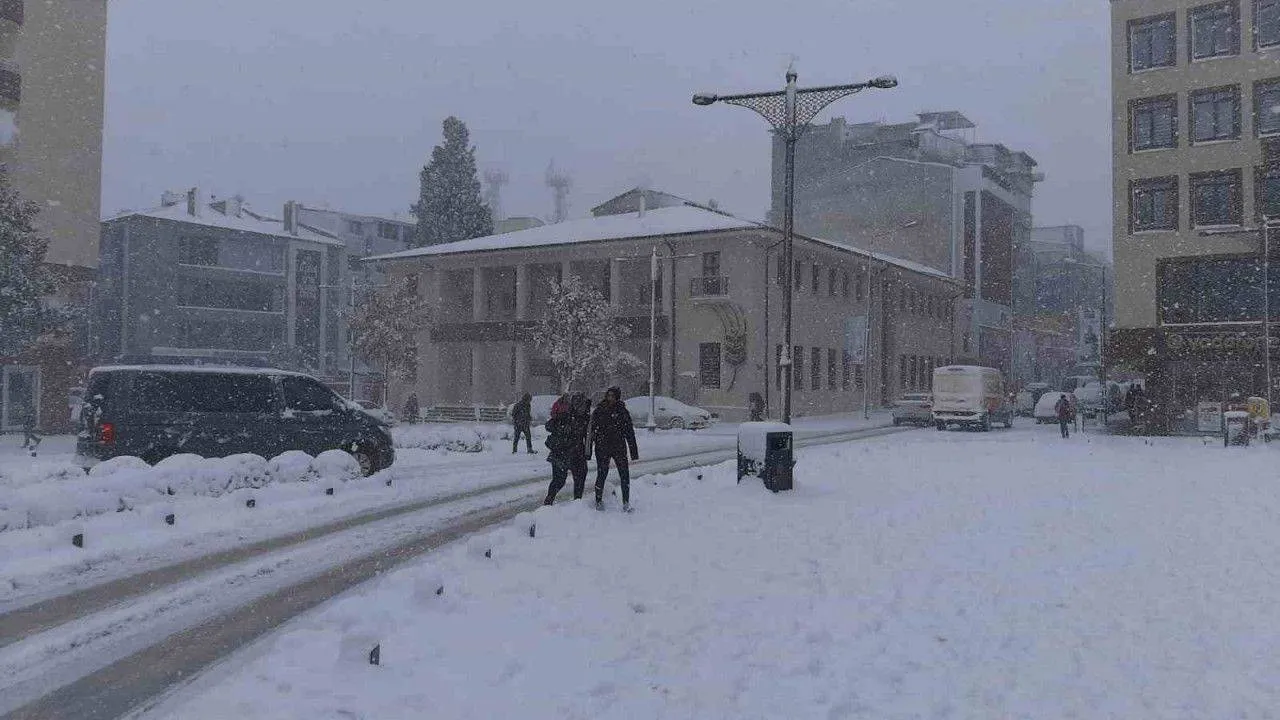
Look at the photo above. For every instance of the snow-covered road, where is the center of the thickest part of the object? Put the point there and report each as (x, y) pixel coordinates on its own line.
(923, 575)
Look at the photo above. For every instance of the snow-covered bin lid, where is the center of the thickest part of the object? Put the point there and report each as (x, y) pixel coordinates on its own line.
(1235, 414)
(753, 436)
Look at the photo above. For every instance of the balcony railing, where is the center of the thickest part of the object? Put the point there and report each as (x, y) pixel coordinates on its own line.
(709, 286)
(12, 10)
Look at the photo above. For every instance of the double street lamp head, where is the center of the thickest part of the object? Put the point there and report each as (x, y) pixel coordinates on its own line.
(704, 99)
(884, 82)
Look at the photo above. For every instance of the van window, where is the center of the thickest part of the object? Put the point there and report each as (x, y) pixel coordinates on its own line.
(957, 384)
(202, 392)
(307, 395)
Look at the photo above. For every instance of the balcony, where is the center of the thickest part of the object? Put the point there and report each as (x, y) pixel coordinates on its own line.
(13, 11)
(711, 286)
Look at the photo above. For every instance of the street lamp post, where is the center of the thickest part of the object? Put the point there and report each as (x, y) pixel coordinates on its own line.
(789, 111)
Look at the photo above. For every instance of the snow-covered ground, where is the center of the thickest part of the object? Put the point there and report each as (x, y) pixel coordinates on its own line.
(922, 575)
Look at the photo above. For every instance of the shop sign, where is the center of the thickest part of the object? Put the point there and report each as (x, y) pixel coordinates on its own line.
(1214, 345)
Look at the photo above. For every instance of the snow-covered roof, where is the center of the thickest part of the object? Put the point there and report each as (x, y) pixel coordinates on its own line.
(681, 220)
(215, 369)
(661, 221)
(249, 220)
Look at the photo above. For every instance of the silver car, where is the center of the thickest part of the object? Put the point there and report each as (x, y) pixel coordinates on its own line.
(914, 409)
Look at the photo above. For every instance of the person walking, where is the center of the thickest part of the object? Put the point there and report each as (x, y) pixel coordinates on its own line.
(1074, 404)
(560, 441)
(521, 418)
(611, 434)
(1062, 409)
(411, 409)
(580, 415)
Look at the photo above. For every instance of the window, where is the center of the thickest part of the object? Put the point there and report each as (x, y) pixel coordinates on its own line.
(832, 287)
(846, 369)
(1215, 198)
(782, 271)
(1211, 289)
(1215, 114)
(710, 264)
(817, 277)
(306, 395)
(798, 277)
(857, 377)
(230, 295)
(833, 381)
(709, 364)
(1151, 42)
(1153, 123)
(198, 251)
(844, 283)
(902, 371)
(388, 231)
(355, 227)
(1214, 30)
(1266, 188)
(1266, 106)
(777, 367)
(1266, 23)
(797, 367)
(202, 392)
(857, 290)
(815, 368)
(902, 299)
(1153, 204)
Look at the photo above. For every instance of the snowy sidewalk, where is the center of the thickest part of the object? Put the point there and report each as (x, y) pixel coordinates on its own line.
(923, 575)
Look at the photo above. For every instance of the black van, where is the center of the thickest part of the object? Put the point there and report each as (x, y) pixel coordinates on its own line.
(154, 411)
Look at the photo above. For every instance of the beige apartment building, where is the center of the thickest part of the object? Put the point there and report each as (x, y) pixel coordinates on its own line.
(1196, 134)
(719, 321)
(52, 58)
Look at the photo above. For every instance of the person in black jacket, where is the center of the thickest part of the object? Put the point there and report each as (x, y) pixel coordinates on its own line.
(567, 444)
(521, 417)
(611, 435)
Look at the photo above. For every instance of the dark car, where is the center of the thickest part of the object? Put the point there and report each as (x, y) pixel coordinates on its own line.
(153, 412)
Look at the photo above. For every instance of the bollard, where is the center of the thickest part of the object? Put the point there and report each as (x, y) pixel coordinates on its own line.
(78, 540)
(328, 491)
(251, 503)
(388, 482)
(170, 491)
(375, 655)
(488, 553)
(169, 519)
(533, 530)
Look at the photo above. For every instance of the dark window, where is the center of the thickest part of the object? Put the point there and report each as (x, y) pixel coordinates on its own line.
(845, 283)
(1152, 42)
(1215, 114)
(1215, 198)
(202, 392)
(1267, 192)
(1214, 30)
(902, 371)
(777, 367)
(1266, 106)
(231, 295)
(355, 227)
(306, 395)
(1153, 123)
(709, 364)
(781, 267)
(833, 381)
(1212, 289)
(198, 251)
(832, 288)
(1153, 204)
(1266, 23)
(846, 369)
(857, 376)
(388, 231)
(817, 277)
(710, 264)
(797, 367)
(798, 275)
(857, 290)
(815, 368)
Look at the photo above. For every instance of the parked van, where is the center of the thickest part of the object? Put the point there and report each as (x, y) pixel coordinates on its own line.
(968, 395)
(154, 411)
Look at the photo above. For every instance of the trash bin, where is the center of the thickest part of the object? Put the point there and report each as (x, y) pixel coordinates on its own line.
(1235, 427)
(765, 450)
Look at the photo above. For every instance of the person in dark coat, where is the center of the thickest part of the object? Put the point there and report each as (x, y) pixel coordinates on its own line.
(1062, 409)
(580, 412)
(411, 408)
(560, 440)
(521, 418)
(611, 434)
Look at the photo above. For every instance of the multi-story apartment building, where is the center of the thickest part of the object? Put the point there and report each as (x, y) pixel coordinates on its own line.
(218, 282)
(926, 192)
(52, 58)
(719, 313)
(1196, 145)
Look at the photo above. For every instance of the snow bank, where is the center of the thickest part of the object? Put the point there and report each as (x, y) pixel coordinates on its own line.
(450, 438)
(927, 575)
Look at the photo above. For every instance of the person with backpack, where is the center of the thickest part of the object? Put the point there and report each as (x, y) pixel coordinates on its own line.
(566, 444)
(521, 419)
(611, 434)
(1062, 409)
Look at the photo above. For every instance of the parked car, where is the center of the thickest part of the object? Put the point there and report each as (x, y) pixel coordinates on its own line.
(383, 415)
(539, 408)
(914, 408)
(669, 413)
(1045, 408)
(1026, 399)
(967, 395)
(154, 411)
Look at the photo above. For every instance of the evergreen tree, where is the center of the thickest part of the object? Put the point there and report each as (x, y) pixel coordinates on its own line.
(25, 281)
(449, 207)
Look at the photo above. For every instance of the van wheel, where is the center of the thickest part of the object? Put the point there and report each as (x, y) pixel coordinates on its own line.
(941, 426)
(986, 423)
(365, 460)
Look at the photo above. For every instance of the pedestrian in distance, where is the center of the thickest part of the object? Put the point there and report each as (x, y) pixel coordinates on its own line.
(1062, 409)
(411, 408)
(611, 434)
(1075, 410)
(521, 418)
(30, 436)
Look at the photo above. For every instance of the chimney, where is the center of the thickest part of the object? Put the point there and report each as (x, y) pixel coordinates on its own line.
(644, 200)
(168, 198)
(291, 218)
(233, 205)
(193, 204)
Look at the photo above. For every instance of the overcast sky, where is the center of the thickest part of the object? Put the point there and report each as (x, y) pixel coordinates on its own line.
(339, 103)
